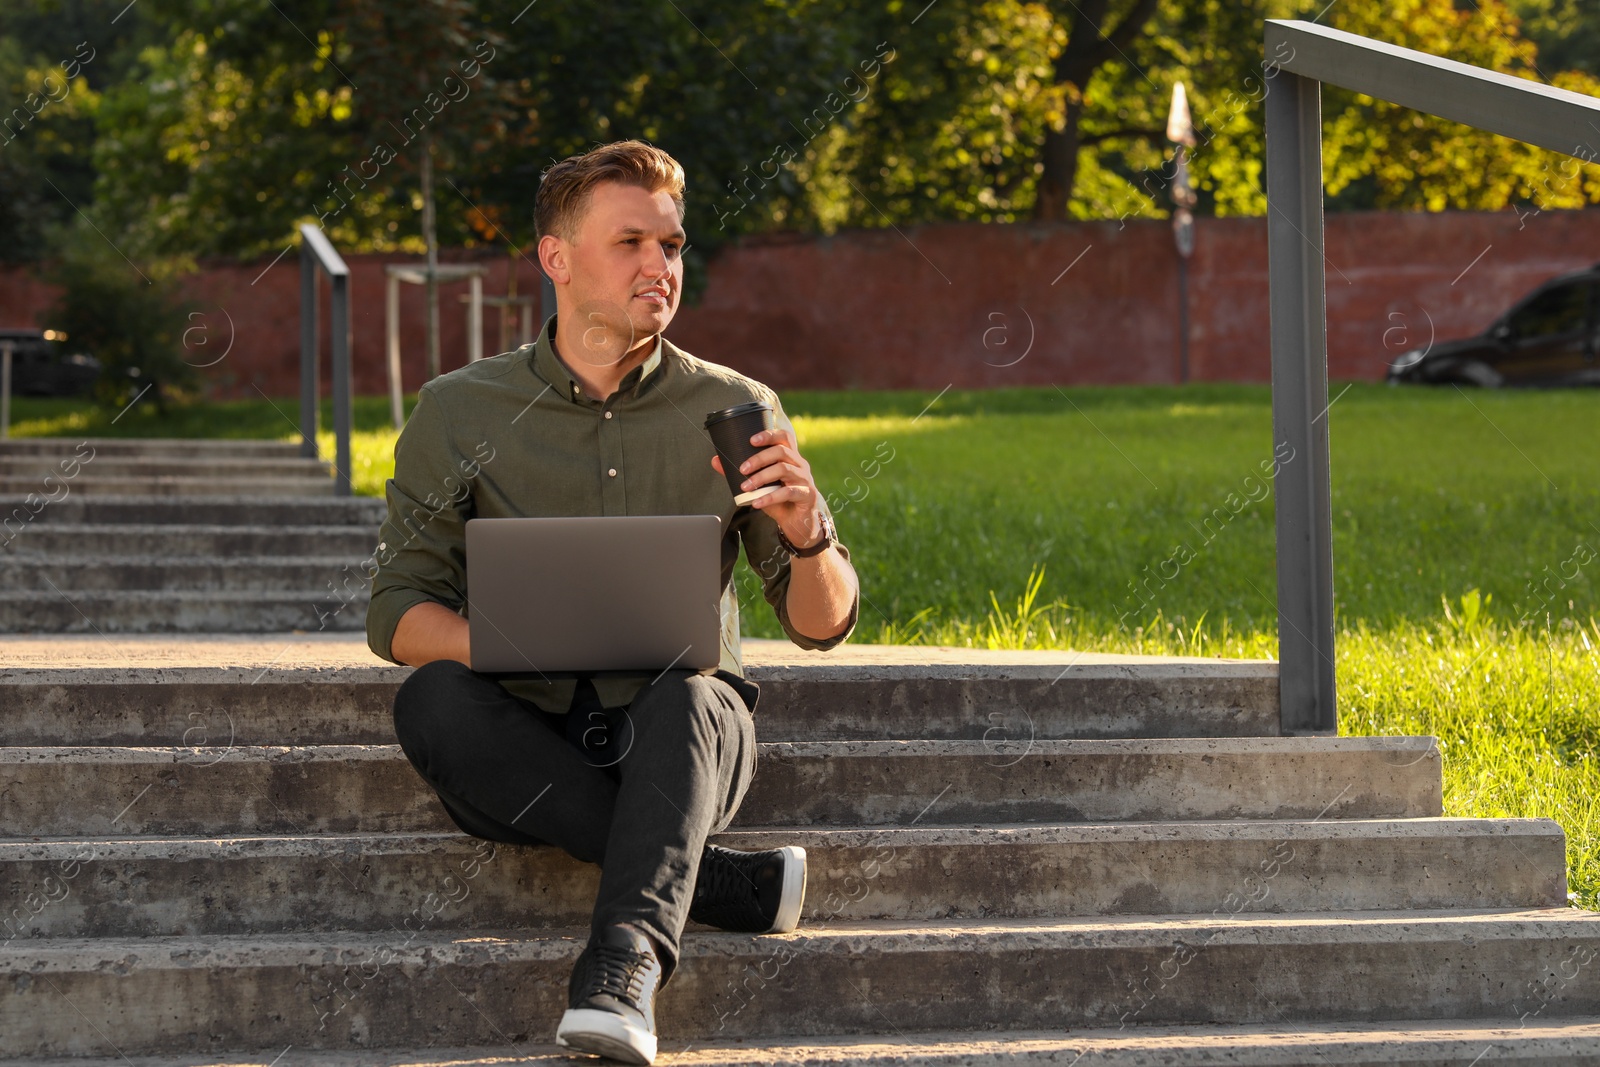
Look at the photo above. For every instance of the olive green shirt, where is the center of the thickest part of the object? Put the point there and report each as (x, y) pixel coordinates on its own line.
(515, 435)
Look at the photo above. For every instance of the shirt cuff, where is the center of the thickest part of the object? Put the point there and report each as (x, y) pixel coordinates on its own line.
(384, 613)
(815, 645)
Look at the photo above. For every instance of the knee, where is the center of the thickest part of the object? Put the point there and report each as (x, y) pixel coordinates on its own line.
(688, 698)
(423, 698)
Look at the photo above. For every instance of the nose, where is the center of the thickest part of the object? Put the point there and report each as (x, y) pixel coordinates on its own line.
(666, 265)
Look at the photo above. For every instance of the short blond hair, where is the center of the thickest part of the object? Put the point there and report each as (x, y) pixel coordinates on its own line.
(565, 187)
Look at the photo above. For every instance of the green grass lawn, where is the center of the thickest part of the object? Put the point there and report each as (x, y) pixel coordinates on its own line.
(1028, 518)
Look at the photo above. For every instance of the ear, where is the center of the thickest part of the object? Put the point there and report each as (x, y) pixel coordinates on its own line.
(553, 258)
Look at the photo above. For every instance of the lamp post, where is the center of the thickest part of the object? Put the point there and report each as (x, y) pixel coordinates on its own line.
(1180, 131)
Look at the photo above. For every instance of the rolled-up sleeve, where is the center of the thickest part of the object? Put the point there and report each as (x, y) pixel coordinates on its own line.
(768, 558)
(421, 554)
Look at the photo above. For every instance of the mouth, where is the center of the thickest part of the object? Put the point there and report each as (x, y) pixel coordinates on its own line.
(653, 296)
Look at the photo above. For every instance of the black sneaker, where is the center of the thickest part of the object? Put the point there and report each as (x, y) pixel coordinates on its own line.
(750, 892)
(611, 998)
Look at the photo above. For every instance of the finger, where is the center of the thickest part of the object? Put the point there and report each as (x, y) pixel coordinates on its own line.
(778, 472)
(795, 492)
(776, 496)
(716, 465)
(766, 457)
(775, 436)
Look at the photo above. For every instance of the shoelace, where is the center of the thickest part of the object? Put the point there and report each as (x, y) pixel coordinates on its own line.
(617, 971)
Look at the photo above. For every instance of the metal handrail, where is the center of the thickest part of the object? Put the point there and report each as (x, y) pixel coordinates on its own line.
(1300, 56)
(6, 348)
(316, 251)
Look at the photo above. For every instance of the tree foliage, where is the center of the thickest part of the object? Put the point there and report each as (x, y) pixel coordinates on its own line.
(725, 85)
(224, 123)
(1379, 155)
(54, 59)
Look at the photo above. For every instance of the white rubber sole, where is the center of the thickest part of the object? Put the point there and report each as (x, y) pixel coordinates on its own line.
(794, 890)
(605, 1034)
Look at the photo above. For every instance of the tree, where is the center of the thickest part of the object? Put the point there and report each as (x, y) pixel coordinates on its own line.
(230, 132)
(958, 126)
(237, 127)
(416, 62)
(1567, 32)
(800, 115)
(1380, 155)
(54, 57)
(961, 123)
(742, 94)
(953, 122)
(1095, 36)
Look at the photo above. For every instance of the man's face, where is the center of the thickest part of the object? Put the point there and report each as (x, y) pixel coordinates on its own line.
(625, 271)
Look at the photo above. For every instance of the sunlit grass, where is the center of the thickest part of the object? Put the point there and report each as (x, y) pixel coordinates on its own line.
(371, 457)
(1514, 709)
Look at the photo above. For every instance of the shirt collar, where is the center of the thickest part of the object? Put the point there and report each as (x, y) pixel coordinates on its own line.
(548, 366)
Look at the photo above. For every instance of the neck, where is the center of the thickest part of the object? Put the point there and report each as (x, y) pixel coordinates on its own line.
(599, 369)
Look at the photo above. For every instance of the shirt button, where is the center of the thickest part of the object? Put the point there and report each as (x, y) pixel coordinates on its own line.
(608, 414)
(612, 472)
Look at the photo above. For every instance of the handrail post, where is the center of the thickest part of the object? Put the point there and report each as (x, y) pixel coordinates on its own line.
(308, 351)
(5, 389)
(315, 251)
(342, 414)
(391, 331)
(1298, 310)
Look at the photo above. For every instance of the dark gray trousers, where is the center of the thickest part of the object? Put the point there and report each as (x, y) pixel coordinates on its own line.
(635, 789)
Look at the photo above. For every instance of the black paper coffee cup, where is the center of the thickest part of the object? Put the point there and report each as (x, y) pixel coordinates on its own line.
(731, 430)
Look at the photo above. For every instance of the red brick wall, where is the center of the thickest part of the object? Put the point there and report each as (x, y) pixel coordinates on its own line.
(960, 304)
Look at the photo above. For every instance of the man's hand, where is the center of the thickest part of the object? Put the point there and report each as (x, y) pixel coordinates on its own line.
(793, 506)
(822, 588)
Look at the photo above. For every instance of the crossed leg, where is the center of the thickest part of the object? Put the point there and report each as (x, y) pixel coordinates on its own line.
(504, 770)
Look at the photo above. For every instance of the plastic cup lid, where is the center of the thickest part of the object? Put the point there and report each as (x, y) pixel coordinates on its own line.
(737, 410)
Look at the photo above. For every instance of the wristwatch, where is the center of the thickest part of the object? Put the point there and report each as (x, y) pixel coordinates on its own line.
(829, 536)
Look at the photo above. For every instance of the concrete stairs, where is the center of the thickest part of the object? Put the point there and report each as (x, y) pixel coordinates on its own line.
(1009, 864)
(160, 467)
(180, 536)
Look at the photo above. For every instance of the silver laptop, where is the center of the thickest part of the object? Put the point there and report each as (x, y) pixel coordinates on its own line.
(589, 593)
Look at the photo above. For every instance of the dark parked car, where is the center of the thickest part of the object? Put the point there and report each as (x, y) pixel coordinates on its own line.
(42, 366)
(1547, 338)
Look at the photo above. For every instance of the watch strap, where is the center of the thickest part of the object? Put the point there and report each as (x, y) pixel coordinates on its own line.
(829, 537)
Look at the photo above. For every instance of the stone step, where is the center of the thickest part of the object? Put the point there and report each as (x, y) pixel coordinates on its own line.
(216, 993)
(90, 483)
(1003, 704)
(176, 540)
(242, 885)
(180, 611)
(229, 508)
(199, 462)
(374, 789)
(1534, 1042)
(147, 446)
(76, 574)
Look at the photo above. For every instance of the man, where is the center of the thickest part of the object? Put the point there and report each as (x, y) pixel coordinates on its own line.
(629, 770)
